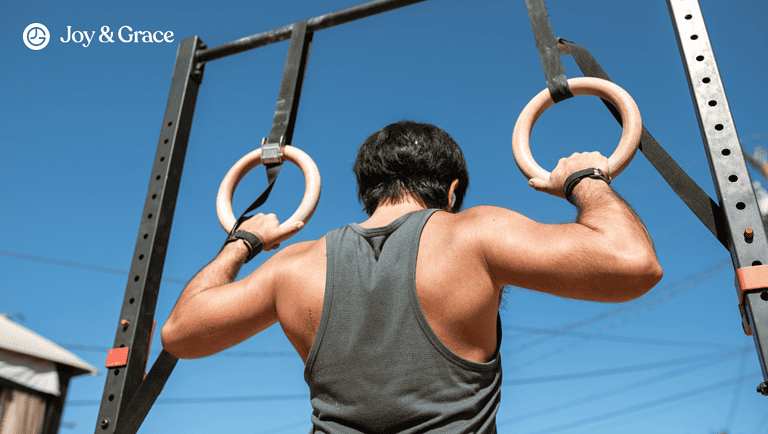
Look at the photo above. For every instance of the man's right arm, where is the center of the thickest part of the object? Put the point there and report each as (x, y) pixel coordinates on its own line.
(606, 255)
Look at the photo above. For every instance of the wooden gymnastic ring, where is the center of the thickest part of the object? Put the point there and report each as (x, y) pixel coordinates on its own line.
(630, 117)
(244, 165)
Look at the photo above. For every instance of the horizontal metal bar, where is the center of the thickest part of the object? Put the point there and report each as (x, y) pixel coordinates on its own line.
(313, 25)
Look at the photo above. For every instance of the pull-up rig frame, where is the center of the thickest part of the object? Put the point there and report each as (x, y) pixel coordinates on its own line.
(127, 362)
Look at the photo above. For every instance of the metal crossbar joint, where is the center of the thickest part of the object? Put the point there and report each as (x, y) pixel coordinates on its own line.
(199, 68)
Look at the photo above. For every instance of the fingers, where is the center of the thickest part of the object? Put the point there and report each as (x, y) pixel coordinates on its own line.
(549, 186)
(286, 232)
(580, 161)
(276, 234)
(268, 229)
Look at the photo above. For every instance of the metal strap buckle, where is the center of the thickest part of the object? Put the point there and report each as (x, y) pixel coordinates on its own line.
(271, 153)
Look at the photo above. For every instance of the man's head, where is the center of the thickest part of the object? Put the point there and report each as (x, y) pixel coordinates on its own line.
(410, 158)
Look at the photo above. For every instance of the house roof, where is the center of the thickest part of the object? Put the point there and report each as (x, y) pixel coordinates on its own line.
(16, 338)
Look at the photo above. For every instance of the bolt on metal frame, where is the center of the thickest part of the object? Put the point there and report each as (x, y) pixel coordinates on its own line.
(748, 244)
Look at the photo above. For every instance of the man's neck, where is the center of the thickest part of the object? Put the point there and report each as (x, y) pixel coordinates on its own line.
(387, 211)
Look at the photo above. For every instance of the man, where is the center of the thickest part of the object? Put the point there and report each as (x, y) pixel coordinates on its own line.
(397, 318)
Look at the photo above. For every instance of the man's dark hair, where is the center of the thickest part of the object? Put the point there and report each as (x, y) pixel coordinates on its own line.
(410, 157)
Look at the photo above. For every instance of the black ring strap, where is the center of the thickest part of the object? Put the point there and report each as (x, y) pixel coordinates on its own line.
(686, 188)
(548, 52)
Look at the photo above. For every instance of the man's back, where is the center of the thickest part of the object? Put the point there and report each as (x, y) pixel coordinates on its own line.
(456, 293)
(375, 349)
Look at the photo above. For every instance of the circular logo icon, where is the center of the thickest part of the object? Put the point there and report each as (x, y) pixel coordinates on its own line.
(36, 36)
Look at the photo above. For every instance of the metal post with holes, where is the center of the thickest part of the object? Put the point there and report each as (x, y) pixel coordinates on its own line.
(748, 243)
(135, 326)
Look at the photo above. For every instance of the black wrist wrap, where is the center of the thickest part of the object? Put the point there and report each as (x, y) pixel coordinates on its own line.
(252, 242)
(572, 181)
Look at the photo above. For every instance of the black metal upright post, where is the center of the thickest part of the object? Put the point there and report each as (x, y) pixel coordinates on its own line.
(747, 236)
(135, 324)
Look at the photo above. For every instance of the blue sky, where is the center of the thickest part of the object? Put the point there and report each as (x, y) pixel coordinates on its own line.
(79, 132)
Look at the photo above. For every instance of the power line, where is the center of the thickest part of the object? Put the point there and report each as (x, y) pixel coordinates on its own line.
(650, 404)
(667, 293)
(527, 331)
(99, 349)
(612, 312)
(102, 349)
(80, 265)
(214, 400)
(633, 368)
(736, 392)
(552, 332)
(568, 327)
(582, 400)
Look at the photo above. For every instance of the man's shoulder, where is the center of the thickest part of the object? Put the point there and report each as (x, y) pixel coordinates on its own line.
(470, 222)
(477, 216)
(296, 259)
(478, 227)
(302, 250)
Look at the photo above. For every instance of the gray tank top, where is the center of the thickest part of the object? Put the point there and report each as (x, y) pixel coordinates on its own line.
(376, 365)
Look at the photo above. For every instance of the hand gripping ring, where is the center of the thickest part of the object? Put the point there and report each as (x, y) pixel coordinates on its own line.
(244, 165)
(630, 117)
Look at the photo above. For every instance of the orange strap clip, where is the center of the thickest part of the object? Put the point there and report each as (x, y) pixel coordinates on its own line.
(118, 357)
(750, 279)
